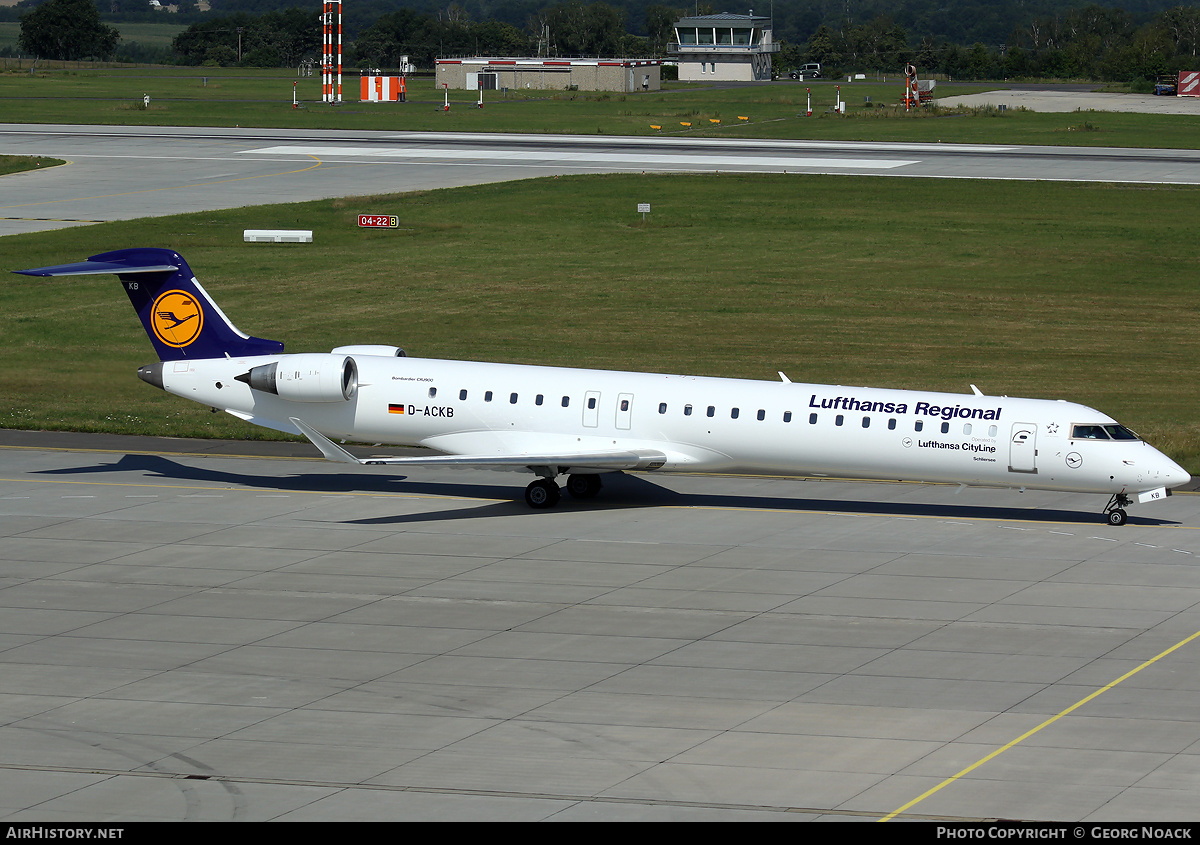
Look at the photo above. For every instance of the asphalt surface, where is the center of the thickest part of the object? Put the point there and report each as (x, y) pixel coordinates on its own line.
(124, 173)
(186, 634)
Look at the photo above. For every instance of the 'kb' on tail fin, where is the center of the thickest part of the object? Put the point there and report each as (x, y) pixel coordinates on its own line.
(177, 313)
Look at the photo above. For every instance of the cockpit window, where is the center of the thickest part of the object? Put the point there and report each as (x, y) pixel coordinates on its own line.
(1120, 432)
(1102, 432)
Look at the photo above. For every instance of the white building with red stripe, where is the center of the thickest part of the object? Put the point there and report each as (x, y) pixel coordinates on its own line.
(493, 74)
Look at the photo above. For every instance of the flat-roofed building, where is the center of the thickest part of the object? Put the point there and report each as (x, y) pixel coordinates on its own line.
(492, 74)
(724, 48)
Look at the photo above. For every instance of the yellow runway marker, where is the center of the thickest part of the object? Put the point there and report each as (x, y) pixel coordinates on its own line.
(1033, 731)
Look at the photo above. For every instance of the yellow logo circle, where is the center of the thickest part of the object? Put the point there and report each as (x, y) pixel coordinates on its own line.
(176, 318)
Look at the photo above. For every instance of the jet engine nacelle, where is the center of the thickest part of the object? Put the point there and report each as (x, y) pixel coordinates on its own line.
(307, 378)
(371, 349)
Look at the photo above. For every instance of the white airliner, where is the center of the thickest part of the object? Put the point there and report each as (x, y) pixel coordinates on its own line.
(553, 421)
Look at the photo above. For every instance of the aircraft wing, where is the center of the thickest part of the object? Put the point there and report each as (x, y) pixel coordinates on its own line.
(615, 460)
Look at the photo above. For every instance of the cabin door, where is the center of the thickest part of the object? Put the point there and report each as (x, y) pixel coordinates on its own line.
(624, 410)
(1022, 448)
(591, 408)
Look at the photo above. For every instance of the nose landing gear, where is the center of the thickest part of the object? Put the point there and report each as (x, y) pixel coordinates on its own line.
(1114, 511)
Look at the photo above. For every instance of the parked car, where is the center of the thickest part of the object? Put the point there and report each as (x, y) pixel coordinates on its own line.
(812, 70)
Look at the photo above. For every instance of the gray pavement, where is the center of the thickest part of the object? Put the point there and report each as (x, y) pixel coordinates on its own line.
(124, 173)
(189, 635)
(1041, 100)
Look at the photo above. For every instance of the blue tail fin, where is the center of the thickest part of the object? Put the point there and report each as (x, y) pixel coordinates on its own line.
(177, 313)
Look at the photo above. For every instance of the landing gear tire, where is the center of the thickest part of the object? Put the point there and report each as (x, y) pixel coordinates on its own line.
(584, 486)
(543, 493)
(1114, 511)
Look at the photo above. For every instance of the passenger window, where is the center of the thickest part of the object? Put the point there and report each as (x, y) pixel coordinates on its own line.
(918, 425)
(432, 392)
(967, 428)
(762, 415)
(487, 397)
(892, 424)
(812, 419)
(992, 431)
(512, 398)
(734, 414)
(712, 410)
(538, 399)
(624, 404)
(462, 395)
(566, 401)
(787, 416)
(662, 407)
(866, 422)
(591, 403)
(838, 420)
(687, 410)
(945, 428)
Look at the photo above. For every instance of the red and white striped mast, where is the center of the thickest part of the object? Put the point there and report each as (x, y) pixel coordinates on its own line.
(330, 93)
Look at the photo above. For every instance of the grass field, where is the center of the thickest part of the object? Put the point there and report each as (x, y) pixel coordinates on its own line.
(17, 164)
(1085, 292)
(241, 97)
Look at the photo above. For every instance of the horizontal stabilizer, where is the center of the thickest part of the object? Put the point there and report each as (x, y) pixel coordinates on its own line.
(615, 460)
(96, 268)
(180, 318)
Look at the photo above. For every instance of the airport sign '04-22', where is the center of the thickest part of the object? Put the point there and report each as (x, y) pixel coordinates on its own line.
(378, 221)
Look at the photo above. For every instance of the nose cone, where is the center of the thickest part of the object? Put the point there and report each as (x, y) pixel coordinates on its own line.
(1175, 475)
(1164, 471)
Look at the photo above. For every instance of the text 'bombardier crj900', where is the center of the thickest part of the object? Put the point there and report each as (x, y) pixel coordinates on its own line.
(552, 421)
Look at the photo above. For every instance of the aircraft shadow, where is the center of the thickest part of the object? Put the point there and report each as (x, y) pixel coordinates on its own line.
(621, 492)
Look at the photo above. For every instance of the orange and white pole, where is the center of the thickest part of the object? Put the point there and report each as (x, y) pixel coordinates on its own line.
(325, 52)
(809, 91)
(331, 92)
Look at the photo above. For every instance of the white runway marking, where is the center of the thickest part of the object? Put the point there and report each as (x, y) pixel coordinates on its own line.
(585, 158)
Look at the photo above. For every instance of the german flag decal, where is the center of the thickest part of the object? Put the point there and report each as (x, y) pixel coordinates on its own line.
(395, 409)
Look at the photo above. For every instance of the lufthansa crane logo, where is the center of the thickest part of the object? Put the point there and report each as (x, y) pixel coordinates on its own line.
(176, 318)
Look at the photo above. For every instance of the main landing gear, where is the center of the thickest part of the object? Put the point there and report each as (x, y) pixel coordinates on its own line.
(545, 493)
(1114, 511)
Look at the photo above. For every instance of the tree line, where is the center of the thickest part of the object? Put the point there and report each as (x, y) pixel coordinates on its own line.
(1093, 42)
(1089, 42)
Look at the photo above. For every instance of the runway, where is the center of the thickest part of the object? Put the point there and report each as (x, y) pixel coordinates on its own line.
(124, 173)
(249, 634)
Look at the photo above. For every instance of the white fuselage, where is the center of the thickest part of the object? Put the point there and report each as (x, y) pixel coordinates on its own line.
(701, 424)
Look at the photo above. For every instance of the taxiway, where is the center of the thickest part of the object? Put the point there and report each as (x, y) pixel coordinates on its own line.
(250, 634)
